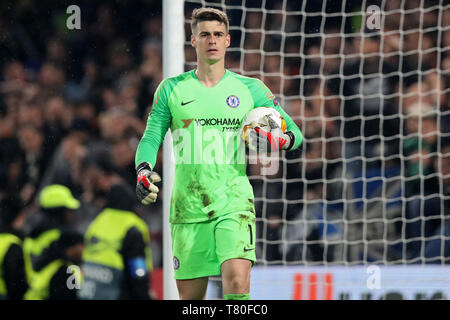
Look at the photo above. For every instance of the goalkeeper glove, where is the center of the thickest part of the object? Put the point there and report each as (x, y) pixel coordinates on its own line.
(146, 191)
(270, 140)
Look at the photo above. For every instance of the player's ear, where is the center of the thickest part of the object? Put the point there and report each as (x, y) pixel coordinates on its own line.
(192, 40)
(228, 40)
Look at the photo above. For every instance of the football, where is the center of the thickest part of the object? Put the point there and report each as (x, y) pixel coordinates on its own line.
(255, 117)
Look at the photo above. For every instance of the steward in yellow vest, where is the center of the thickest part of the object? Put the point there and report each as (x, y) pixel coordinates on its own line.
(13, 283)
(117, 259)
(53, 249)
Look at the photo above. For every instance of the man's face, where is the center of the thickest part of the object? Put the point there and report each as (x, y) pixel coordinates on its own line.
(210, 40)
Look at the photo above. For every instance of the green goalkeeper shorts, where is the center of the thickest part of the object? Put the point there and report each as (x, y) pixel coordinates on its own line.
(199, 249)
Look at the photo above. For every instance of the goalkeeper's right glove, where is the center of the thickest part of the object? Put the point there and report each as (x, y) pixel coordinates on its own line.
(274, 139)
(146, 191)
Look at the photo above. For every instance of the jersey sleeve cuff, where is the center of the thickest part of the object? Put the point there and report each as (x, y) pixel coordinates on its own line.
(292, 140)
(144, 165)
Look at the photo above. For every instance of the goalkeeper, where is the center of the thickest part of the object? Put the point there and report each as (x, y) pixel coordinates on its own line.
(212, 211)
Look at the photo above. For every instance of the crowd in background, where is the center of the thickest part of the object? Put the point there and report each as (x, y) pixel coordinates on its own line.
(370, 182)
(71, 97)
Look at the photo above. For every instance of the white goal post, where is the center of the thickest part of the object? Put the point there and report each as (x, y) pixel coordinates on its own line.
(173, 64)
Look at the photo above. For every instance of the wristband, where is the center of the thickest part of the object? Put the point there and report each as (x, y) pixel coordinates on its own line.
(144, 165)
(292, 142)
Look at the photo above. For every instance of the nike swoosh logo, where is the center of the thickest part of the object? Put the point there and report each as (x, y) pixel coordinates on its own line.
(185, 103)
(245, 249)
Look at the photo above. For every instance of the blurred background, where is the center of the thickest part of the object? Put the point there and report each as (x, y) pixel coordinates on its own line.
(71, 96)
(67, 92)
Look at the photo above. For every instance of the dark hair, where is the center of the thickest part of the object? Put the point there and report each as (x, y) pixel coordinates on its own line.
(208, 14)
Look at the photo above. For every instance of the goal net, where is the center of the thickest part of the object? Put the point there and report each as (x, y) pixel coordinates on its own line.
(368, 83)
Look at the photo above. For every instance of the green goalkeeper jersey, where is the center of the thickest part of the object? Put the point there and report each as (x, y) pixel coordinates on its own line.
(210, 167)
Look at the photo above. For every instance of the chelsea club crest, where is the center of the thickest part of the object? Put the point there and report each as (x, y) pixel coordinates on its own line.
(176, 263)
(233, 101)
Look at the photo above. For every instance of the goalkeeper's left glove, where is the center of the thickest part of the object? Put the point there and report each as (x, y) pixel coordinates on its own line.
(146, 190)
(270, 140)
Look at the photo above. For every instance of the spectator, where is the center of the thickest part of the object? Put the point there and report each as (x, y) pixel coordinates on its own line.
(69, 95)
(151, 74)
(120, 235)
(437, 247)
(369, 115)
(54, 127)
(33, 163)
(119, 62)
(51, 79)
(52, 246)
(10, 156)
(12, 265)
(122, 153)
(419, 149)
